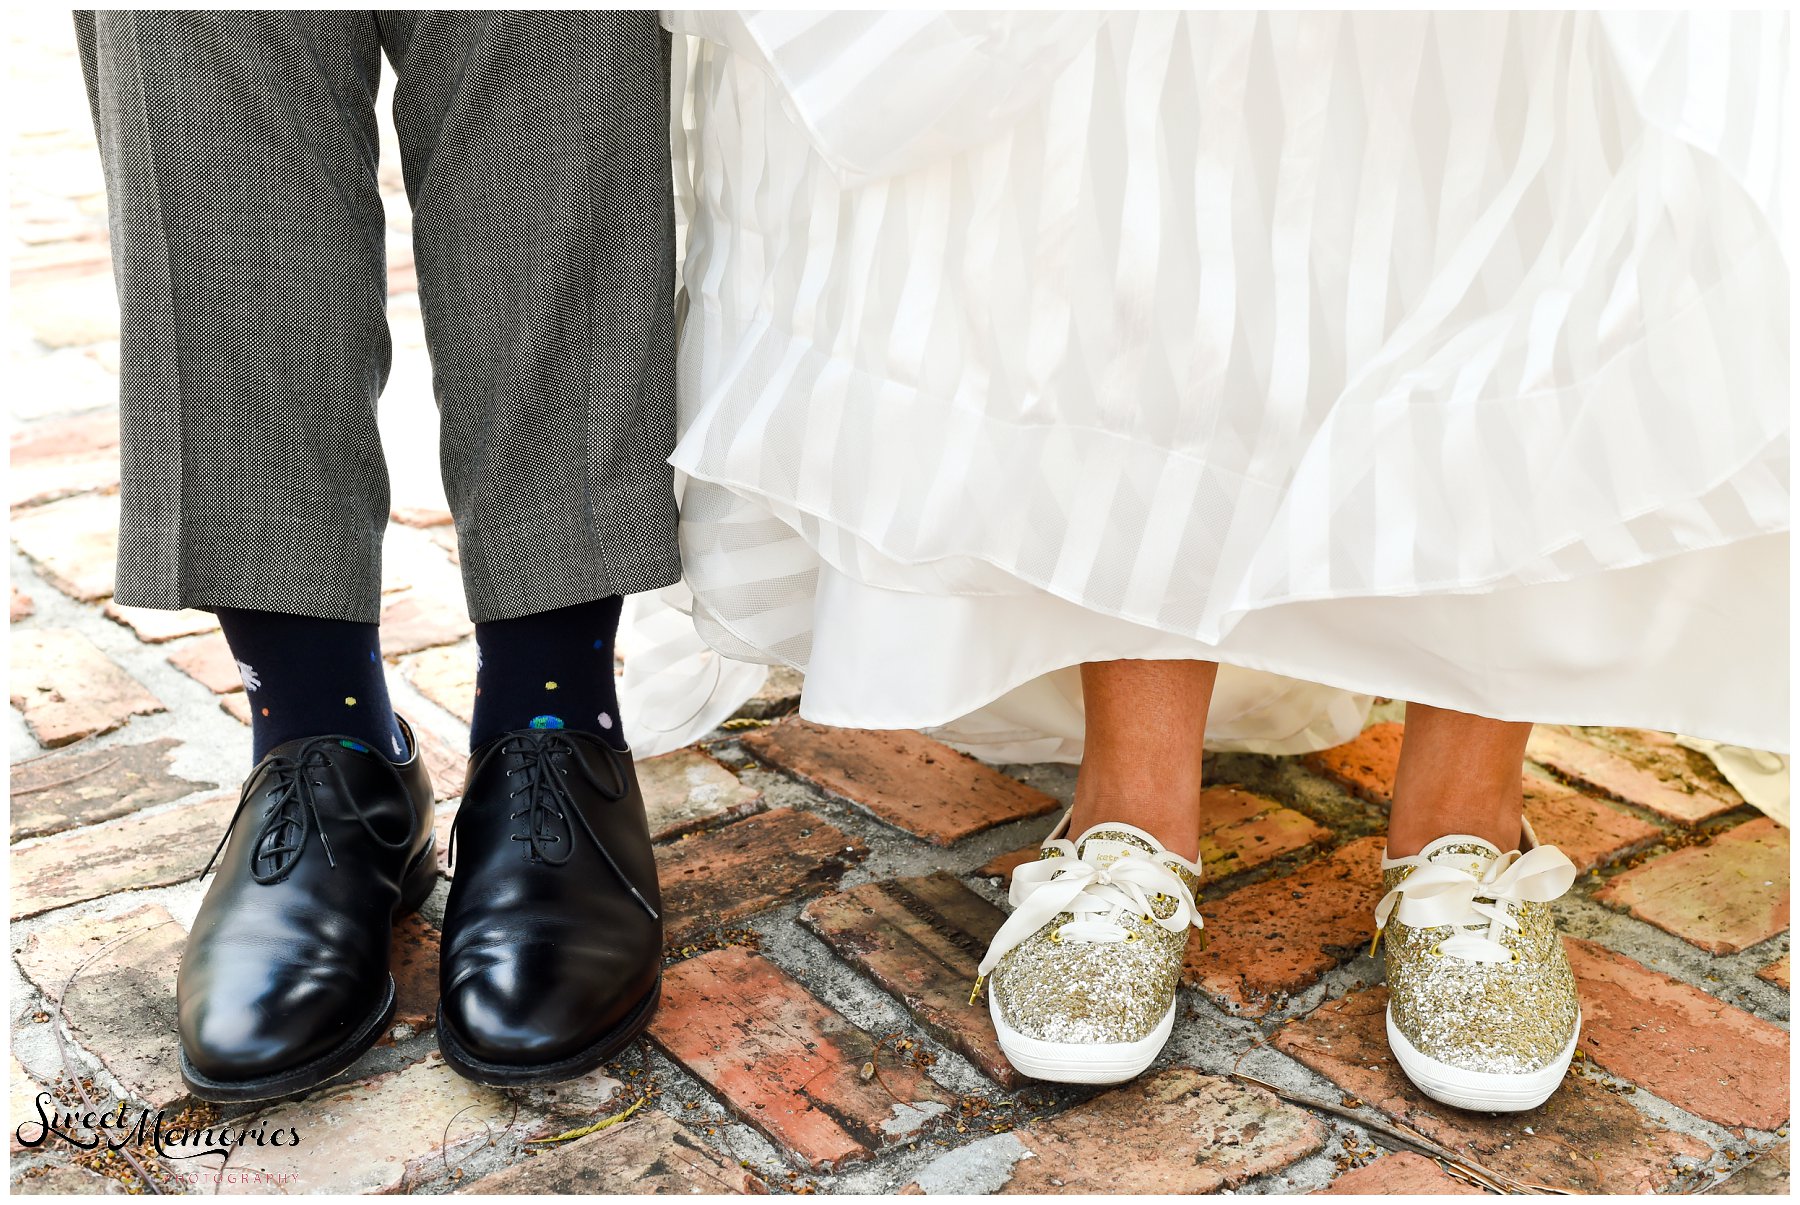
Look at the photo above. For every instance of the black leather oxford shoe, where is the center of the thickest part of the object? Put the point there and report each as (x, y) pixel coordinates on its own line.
(284, 981)
(552, 951)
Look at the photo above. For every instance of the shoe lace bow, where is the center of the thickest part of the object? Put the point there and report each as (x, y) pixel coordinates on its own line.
(549, 809)
(1482, 907)
(293, 809)
(1104, 900)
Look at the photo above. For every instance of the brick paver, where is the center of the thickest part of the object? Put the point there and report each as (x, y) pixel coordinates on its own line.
(1177, 1131)
(413, 621)
(1591, 833)
(1777, 973)
(422, 516)
(1724, 896)
(156, 627)
(715, 878)
(78, 785)
(686, 790)
(1363, 765)
(444, 764)
(169, 846)
(1275, 938)
(1583, 1139)
(60, 457)
(1001, 866)
(413, 962)
(787, 1064)
(72, 543)
(1682, 1044)
(908, 780)
(446, 676)
(1240, 831)
(921, 939)
(382, 1134)
(651, 1153)
(1588, 831)
(121, 1004)
(1656, 775)
(1403, 1174)
(1243, 830)
(209, 662)
(68, 689)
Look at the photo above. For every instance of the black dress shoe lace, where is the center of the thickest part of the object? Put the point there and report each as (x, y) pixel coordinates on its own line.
(293, 814)
(549, 811)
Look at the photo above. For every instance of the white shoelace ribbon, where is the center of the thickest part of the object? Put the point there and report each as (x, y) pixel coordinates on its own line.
(1098, 896)
(1437, 893)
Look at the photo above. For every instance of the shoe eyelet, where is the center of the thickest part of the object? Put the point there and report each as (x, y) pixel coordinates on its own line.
(1056, 936)
(1436, 951)
(1515, 956)
(1134, 935)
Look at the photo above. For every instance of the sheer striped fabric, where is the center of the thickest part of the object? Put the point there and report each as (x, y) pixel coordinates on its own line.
(1438, 356)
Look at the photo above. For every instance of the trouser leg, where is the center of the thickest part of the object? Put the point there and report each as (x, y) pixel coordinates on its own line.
(240, 154)
(536, 153)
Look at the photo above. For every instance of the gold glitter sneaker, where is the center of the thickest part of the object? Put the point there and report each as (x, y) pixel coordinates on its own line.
(1481, 1010)
(1084, 972)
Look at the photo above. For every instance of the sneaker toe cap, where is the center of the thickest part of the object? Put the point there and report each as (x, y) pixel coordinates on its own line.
(1084, 996)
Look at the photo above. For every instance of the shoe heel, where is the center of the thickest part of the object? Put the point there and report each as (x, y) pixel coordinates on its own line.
(420, 878)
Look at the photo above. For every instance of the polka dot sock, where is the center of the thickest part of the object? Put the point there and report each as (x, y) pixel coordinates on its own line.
(552, 670)
(312, 677)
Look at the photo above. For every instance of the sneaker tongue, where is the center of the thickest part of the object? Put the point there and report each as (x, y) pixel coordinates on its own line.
(1104, 845)
(1471, 853)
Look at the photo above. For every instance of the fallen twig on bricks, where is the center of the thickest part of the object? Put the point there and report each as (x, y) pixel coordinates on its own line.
(584, 1131)
(1410, 1139)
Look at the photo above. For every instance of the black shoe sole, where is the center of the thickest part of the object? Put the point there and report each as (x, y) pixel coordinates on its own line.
(420, 878)
(507, 1075)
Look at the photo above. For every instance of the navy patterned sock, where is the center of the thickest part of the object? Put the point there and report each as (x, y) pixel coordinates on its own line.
(312, 677)
(552, 670)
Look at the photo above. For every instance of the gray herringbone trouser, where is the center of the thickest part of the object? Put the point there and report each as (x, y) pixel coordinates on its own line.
(240, 156)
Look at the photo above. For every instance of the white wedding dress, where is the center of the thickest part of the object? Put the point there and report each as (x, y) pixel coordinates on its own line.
(1434, 356)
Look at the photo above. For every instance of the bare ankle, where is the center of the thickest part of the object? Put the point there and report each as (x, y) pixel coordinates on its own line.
(1416, 822)
(1167, 809)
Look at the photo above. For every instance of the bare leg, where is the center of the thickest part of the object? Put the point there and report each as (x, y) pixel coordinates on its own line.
(1458, 773)
(1145, 724)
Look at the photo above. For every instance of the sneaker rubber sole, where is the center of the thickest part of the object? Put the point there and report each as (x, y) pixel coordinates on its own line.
(1480, 1091)
(1081, 1062)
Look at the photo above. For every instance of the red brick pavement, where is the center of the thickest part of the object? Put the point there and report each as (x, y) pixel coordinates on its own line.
(905, 779)
(1678, 1041)
(1401, 1175)
(1584, 1139)
(787, 1064)
(879, 883)
(1276, 938)
(1723, 896)
(100, 820)
(1241, 831)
